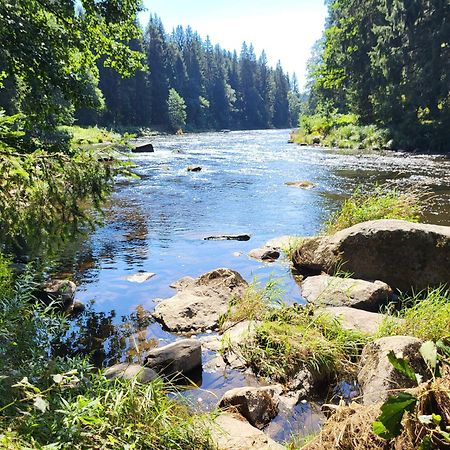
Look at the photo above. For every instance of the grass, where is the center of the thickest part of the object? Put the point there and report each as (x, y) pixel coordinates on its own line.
(253, 304)
(381, 203)
(294, 338)
(425, 315)
(90, 135)
(292, 246)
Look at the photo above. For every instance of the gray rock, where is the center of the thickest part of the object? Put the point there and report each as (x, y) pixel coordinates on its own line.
(228, 237)
(258, 405)
(356, 319)
(144, 148)
(76, 308)
(181, 357)
(232, 339)
(335, 291)
(280, 243)
(264, 254)
(378, 378)
(404, 255)
(199, 303)
(233, 432)
(316, 140)
(129, 371)
(58, 290)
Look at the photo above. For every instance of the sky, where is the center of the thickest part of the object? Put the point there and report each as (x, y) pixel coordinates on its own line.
(285, 29)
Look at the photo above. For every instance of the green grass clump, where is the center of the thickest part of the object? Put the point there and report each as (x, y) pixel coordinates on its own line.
(293, 338)
(90, 135)
(254, 303)
(381, 203)
(425, 315)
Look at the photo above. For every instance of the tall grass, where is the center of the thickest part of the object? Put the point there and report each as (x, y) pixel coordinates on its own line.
(425, 315)
(382, 202)
(293, 338)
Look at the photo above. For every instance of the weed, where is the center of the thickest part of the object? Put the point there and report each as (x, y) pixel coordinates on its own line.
(381, 203)
(425, 315)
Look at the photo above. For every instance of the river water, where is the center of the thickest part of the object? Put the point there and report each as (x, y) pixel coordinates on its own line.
(157, 223)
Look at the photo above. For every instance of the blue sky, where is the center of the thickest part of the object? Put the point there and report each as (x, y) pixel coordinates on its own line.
(286, 29)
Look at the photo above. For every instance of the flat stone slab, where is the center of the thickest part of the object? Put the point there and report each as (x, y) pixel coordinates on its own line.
(199, 303)
(143, 148)
(230, 432)
(324, 290)
(301, 184)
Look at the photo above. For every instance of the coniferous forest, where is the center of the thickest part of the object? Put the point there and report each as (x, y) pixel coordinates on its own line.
(388, 64)
(216, 89)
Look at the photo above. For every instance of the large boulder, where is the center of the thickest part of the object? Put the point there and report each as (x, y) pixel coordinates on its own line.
(199, 303)
(258, 405)
(233, 432)
(336, 291)
(404, 255)
(378, 378)
(129, 371)
(180, 357)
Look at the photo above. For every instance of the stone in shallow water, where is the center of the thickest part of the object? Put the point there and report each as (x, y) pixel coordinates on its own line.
(181, 357)
(301, 184)
(194, 169)
(140, 277)
(129, 371)
(228, 237)
(264, 254)
(199, 303)
(258, 405)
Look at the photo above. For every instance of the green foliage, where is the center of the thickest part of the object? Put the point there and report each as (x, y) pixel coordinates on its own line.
(388, 63)
(50, 402)
(382, 202)
(389, 423)
(50, 50)
(177, 110)
(292, 338)
(425, 315)
(91, 135)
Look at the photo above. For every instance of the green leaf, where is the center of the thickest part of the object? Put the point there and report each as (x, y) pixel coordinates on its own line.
(428, 350)
(389, 423)
(402, 366)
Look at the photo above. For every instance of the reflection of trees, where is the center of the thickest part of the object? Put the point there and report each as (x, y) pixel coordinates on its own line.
(95, 334)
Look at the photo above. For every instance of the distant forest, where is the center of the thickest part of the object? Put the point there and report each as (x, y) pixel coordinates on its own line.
(215, 88)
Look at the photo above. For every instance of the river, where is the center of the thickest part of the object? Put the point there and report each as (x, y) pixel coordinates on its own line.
(157, 223)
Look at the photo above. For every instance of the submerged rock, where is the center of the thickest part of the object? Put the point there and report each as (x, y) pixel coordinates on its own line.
(140, 277)
(181, 357)
(258, 405)
(301, 184)
(404, 255)
(336, 291)
(199, 303)
(228, 237)
(377, 377)
(194, 169)
(129, 371)
(233, 432)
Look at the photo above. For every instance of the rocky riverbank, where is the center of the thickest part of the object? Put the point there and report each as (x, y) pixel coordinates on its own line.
(227, 324)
